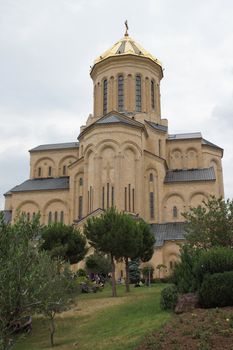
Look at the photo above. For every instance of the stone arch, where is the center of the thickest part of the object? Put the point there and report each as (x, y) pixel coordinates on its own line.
(89, 148)
(170, 201)
(133, 145)
(192, 158)
(40, 163)
(176, 158)
(28, 206)
(65, 161)
(105, 144)
(196, 198)
(58, 206)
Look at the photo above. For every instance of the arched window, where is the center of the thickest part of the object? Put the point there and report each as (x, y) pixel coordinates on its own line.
(50, 171)
(152, 90)
(55, 216)
(64, 170)
(151, 177)
(138, 93)
(50, 218)
(175, 212)
(80, 181)
(105, 96)
(152, 210)
(28, 216)
(120, 93)
(62, 216)
(39, 171)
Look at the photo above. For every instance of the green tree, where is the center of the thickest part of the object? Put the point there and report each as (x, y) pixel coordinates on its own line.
(98, 263)
(103, 234)
(134, 271)
(210, 224)
(52, 294)
(146, 250)
(64, 242)
(17, 260)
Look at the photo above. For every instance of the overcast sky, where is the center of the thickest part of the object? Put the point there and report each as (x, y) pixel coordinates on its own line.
(47, 47)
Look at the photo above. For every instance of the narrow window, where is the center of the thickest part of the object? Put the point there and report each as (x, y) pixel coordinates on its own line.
(138, 94)
(50, 171)
(160, 147)
(103, 197)
(152, 205)
(80, 207)
(55, 216)
(50, 218)
(151, 177)
(175, 212)
(129, 197)
(152, 94)
(133, 195)
(105, 96)
(62, 217)
(39, 171)
(80, 181)
(107, 195)
(91, 198)
(120, 93)
(28, 216)
(171, 265)
(112, 196)
(64, 170)
(88, 201)
(33, 215)
(125, 198)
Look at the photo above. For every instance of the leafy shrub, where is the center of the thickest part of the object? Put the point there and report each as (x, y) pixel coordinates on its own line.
(213, 261)
(81, 273)
(183, 276)
(169, 297)
(217, 290)
(148, 270)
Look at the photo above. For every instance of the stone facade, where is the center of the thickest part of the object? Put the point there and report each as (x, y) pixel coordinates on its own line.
(124, 157)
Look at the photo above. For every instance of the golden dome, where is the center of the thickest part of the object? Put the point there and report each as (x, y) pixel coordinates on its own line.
(126, 46)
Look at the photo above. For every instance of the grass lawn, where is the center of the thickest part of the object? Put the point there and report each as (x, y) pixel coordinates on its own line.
(101, 322)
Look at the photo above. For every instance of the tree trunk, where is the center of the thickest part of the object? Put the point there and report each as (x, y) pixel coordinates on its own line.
(114, 293)
(52, 330)
(127, 274)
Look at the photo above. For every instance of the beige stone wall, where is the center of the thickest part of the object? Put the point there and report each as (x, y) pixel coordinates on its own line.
(56, 159)
(43, 202)
(129, 67)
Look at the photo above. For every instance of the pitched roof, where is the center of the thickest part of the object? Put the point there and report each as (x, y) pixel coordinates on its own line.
(208, 143)
(60, 183)
(171, 231)
(55, 146)
(113, 118)
(183, 175)
(7, 215)
(191, 135)
(156, 126)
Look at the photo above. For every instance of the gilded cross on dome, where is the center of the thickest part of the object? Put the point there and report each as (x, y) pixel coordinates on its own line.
(126, 28)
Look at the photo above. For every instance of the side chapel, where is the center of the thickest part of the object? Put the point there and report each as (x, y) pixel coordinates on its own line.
(124, 157)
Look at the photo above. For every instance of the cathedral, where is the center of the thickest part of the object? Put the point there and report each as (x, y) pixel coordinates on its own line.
(123, 157)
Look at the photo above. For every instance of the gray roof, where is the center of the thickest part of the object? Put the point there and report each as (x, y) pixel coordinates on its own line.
(205, 174)
(117, 118)
(7, 214)
(55, 146)
(60, 183)
(168, 232)
(208, 143)
(191, 135)
(156, 126)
